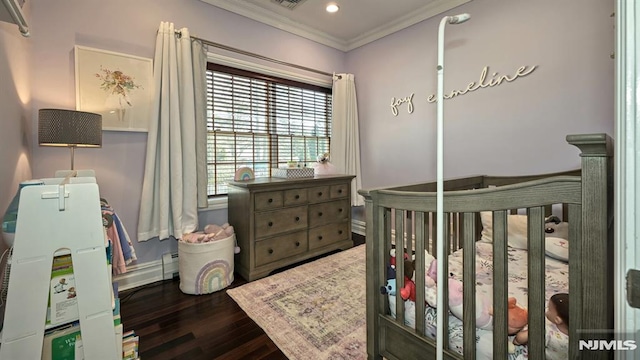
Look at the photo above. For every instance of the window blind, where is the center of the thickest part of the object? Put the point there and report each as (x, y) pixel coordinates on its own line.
(261, 122)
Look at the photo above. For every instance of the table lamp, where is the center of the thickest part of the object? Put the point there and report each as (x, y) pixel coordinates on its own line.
(69, 128)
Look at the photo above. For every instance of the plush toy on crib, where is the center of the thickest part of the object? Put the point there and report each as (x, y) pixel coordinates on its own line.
(408, 291)
(484, 318)
(556, 329)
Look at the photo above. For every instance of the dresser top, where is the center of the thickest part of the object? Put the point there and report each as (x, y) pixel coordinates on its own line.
(271, 181)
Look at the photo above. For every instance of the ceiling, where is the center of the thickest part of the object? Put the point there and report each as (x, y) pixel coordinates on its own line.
(357, 23)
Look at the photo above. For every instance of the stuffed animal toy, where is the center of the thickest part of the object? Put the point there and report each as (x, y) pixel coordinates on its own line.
(408, 291)
(392, 261)
(484, 318)
(517, 317)
(390, 288)
(212, 232)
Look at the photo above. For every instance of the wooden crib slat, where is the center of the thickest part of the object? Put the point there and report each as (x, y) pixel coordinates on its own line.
(536, 275)
(468, 287)
(500, 285)
(399, 239)
(445, 288)
(575, 279)
(420, 266)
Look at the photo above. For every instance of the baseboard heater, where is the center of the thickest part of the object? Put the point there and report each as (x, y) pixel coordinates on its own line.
(170, 266)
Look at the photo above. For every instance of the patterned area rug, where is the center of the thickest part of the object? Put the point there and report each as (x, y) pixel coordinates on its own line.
(315, 310)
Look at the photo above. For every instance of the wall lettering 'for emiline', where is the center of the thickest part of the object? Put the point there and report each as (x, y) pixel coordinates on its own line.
(484, 82)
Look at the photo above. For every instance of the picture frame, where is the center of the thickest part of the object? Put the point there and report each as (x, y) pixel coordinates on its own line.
(117, 86)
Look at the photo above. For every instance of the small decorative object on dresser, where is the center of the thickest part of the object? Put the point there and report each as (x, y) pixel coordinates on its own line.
(280, 222)
(244, 173)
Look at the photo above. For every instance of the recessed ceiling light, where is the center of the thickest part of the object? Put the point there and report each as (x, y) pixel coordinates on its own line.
(332, 7)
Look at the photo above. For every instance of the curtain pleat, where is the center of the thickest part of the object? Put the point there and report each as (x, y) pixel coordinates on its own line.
(169, 203)
(345, 138)
(200, 87)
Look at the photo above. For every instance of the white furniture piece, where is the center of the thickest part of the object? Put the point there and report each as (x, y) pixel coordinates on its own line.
(61, 215)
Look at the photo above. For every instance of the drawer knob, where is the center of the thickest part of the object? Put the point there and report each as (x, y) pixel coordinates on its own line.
(319, 237)
(340, 232)
(297, 243)
(339, 191)
(270, 223)
(340, 210)
(320, 213)
(297, 218)
(319, 193)
(270, 200)
(270, 251)
(297, 197)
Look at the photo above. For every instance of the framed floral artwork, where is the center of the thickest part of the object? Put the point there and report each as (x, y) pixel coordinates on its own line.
(117, 86)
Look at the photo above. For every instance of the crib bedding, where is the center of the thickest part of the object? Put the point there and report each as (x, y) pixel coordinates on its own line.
(556, 280)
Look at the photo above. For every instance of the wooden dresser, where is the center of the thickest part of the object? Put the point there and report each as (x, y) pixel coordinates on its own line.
(279, 222)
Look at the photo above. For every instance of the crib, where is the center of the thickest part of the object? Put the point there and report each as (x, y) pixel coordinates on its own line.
(404, 218)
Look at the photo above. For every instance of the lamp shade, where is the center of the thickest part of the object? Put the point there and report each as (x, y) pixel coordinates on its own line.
(59, 127)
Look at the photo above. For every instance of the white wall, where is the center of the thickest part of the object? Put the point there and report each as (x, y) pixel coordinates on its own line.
(511, 129)
(15, 133)
(130, 27)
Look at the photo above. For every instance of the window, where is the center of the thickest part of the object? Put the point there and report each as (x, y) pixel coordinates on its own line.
(261, 122)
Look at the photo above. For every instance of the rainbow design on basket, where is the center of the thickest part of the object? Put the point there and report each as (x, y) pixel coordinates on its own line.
(244, 173)
(214, 275)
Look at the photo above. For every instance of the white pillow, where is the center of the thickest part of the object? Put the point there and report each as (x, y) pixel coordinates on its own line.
(517, 230)
(557, 248)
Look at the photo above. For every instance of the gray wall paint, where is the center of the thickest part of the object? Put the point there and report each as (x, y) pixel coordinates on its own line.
(130, 27)
(515, 128)
(15, 156)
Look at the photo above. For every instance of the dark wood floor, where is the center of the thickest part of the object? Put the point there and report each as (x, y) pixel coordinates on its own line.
(173, 325)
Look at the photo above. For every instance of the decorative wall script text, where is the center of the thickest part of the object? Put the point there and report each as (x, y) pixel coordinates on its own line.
(482, 83)
(397, 102)
(494, 80)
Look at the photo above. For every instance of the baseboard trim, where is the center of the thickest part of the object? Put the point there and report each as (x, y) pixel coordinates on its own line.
(139, 275)
(359, 227)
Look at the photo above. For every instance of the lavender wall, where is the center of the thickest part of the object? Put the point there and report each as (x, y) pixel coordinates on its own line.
(130, 27)
(514, 128)
(14, 112)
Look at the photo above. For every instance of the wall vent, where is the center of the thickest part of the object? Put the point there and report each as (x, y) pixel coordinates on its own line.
(289, 4)
(170, 266)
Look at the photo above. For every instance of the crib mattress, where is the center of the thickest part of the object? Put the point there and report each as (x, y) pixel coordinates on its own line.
(556, 280)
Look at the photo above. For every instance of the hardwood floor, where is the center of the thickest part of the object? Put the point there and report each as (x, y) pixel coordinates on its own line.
(174, 325)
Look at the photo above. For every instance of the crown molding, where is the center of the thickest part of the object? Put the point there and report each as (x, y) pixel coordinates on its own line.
(278, 21)
(426, 12)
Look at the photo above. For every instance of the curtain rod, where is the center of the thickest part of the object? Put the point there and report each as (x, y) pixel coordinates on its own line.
(258, 56)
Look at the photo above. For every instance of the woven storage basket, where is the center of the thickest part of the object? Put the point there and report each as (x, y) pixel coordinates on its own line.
(291, 173)
(206, 267)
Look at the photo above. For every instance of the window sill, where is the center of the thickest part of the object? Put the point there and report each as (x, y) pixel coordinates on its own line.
(218, 203)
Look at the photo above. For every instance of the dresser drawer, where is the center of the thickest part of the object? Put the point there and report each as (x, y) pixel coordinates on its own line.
(318, 193)
(268, 223)
(328, 234)
(339, 191)
(295, 197)
(328, 212)
(268, 200)
(277, 248)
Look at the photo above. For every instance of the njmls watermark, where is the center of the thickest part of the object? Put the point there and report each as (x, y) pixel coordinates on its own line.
(607, 345)
(607, 340)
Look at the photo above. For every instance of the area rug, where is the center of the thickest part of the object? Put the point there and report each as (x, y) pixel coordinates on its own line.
(315, 310)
